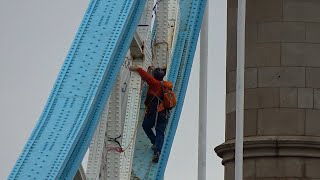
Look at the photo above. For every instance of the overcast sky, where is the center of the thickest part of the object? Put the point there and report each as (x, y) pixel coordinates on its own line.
(35, 36)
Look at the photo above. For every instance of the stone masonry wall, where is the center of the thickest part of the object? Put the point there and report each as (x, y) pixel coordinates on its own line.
(282, 82)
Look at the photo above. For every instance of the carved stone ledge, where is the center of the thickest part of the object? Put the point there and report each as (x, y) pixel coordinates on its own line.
(272, 146)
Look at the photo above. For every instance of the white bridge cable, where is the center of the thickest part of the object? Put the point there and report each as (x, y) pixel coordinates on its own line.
(202, 138)
(240, 89)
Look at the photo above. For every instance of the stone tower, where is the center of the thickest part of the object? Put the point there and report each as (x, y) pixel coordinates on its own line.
(282, 91)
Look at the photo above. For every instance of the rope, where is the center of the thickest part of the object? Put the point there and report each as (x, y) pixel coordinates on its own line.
(155, 5)
(117, 149)
(120, 149)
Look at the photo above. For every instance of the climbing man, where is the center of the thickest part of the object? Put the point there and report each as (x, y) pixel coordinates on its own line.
(153, 115)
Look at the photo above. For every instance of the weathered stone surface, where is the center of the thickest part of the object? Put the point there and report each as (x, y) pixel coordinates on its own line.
(230, 125)
(312, 34)
(281, 87)
(316, 98)
(282, 32)
(250, 79)
(229, 171)
(280, 167)
(312, 122)
(231, 39)
(301, 10)
(312, 168)
(281, 121)
(264, 10)
(263, 54)
(313, 75)
(267, 168)
(249, 168)
(231, 60)
(300, 54)
(305, 97)
(231, 102)
(232, 23)
(289, 97)
(281, 77)
(272, 147)
(262, 98)
(250, 122)
(232, 3)
(251, 33)
(231, 81)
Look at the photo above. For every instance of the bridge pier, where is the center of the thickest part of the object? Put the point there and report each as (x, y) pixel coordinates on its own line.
(282, 90)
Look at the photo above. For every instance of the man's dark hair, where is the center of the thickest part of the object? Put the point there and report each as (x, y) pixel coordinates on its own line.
(159, 73)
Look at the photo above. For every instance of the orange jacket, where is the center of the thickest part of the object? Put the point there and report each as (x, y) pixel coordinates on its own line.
(154, 85)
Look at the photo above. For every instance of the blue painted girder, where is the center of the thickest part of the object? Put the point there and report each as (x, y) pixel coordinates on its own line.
(190, 19)
(62, 135)
(181, 84)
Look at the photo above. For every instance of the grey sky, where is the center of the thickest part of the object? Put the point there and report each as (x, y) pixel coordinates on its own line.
(35, 36)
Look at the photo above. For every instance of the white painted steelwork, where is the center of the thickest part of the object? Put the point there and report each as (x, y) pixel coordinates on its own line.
(131, 122)
(145, 21)
(103, 159)
(172, 19)
(161, 46)
(86, 80)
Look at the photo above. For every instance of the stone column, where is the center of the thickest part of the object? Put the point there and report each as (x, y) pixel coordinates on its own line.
(282, 91)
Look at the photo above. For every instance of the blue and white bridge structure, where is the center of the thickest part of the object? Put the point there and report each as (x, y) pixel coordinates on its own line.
(96, 102)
